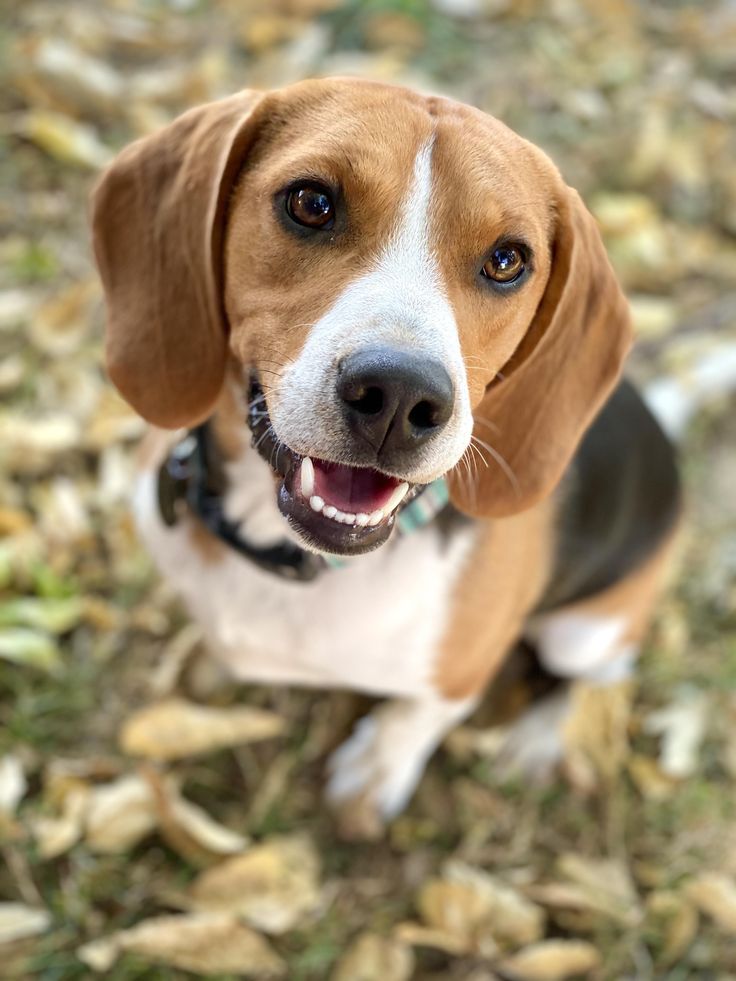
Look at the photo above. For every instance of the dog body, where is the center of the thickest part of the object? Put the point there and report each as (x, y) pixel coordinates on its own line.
(395, 290)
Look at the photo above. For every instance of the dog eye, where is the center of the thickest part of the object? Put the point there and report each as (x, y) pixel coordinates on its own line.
(505, 265)
(310, 205)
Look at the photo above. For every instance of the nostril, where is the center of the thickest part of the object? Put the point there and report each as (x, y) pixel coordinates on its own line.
(423, 415)
(368, 401)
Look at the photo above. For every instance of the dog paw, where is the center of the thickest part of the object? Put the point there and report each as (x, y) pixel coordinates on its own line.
(369, 783)
(533, 748)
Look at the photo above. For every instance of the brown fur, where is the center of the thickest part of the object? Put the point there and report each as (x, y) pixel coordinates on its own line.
(199, 196)
(503, 578)
(634, 596)
(198, 268)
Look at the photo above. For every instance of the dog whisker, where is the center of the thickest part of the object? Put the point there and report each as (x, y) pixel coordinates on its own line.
(486, 422)
(503, 464)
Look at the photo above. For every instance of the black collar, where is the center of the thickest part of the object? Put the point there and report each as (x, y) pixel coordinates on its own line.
(194, 474)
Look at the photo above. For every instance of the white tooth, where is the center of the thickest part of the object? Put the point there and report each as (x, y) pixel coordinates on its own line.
(328, 511)
(376, 518)
(316, 503)
(396, 498)
(361, 520)
(307, 477)
(341, 517)
(349, 519)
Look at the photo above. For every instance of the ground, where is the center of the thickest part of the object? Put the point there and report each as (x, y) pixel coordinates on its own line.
(623, 867)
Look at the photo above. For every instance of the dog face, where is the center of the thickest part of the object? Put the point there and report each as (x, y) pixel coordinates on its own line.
(396, 275)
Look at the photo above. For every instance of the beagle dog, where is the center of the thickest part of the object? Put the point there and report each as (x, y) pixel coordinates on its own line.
(380, 344)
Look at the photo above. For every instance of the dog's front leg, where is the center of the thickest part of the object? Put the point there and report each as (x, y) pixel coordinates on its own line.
(374, 773)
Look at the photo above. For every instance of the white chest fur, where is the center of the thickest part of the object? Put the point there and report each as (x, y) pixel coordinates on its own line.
(374, 625)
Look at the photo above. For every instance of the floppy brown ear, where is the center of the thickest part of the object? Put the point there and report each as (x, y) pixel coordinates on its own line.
(157, 219)
(550, 391)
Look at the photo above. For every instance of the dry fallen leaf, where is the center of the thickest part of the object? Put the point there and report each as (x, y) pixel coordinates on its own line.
(174, 729)
(596, 732)
(54, 616)
(16, 307)
(111, 421)
(30, 445)
(715, 895)
(119, 814)
(66, 73)
(18, 921)
(204, 943)
(481, 913)
(374, 958)
(56, 835)
(551, 960)
(601, 887)
(60, 322)
(13, 784)
(649, 779)
(65, 139)
(274, 886)
(681, 726)
(417, 935)
(31, 648)
(188, 829)
(114, 816)
(673, 918)
(13, 370)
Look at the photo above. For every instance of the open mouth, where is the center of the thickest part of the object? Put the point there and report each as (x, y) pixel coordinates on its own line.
(335, 507)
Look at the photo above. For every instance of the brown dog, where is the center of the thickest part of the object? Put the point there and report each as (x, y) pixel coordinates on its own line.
(396, 291)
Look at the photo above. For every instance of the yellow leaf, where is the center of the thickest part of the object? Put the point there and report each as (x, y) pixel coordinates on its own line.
(65, 139)
(60, 323)
(274, 886)
(417, 935)
(13, 783)
(56, 835)
(374, 958)
(18, 921)
(479, 910)
(204, 943)
(188, 829)
(30, 648)
(119, 815)
(675, 920)
(551, 960)
(715, 895)
(596, 730)
(599, 886)
(174, 729)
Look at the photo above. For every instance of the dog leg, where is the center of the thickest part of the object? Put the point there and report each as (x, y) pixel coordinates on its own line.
(534, 745)
(596, 641)
(374, 773)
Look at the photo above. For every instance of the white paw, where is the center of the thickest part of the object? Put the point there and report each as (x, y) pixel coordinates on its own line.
(371, 768)
(534, 746)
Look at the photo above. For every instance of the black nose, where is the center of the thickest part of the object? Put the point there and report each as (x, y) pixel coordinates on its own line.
(394, 400)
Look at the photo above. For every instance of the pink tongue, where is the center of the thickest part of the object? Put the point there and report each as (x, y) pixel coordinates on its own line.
(354, 490)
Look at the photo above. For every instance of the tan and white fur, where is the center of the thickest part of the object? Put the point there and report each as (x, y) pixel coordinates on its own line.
(204, 286)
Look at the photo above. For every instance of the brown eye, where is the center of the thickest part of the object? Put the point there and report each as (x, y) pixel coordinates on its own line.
(311, 205)
(505, 265)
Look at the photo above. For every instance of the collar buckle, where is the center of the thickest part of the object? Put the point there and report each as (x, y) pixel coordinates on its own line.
(174, 479)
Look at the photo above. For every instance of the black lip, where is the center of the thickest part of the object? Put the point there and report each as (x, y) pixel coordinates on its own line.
(324, 533)
(318, 532)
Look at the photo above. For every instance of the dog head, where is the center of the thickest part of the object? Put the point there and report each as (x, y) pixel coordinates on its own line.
(409, 287)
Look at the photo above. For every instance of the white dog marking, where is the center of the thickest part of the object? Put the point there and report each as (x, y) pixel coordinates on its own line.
(400, 303)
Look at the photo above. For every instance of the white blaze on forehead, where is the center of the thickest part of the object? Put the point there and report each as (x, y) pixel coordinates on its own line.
(400, 302)
(409, 245)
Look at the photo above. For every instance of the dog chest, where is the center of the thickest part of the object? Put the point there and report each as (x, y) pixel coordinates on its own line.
(373, 625)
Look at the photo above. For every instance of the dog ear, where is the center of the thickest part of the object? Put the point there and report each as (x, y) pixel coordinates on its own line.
(537, 409)
(158, 215)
